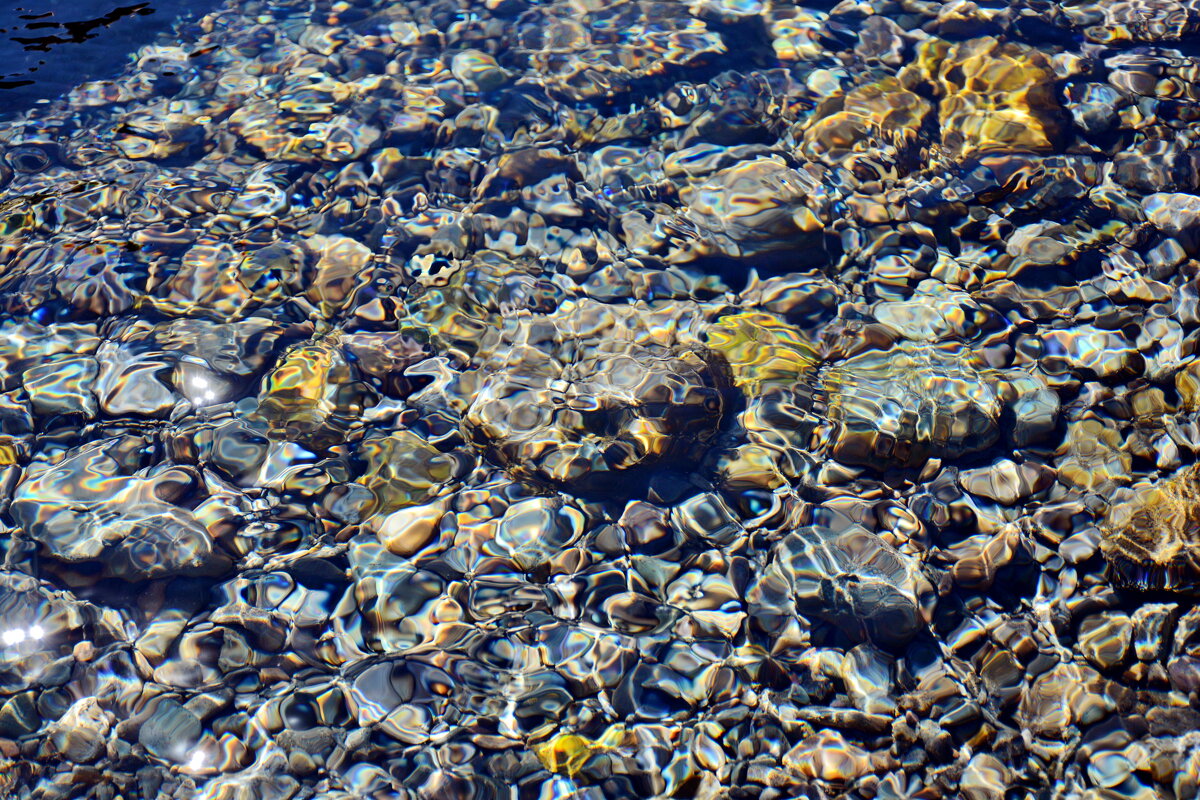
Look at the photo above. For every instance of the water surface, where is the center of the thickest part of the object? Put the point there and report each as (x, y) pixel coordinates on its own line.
(593, 399)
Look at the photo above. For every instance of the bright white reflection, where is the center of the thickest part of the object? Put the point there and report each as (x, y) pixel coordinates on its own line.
(15, 636)
(203, 389)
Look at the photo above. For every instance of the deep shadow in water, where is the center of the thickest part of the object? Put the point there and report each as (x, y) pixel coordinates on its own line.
(49, 46)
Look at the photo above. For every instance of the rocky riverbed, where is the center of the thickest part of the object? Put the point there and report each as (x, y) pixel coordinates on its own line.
(607, 399)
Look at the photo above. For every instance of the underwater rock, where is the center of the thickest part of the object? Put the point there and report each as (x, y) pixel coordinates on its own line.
(399, 602)
(134, 381)
(762, 351)
(909, 404)
(849, 577)
(1091, 456)
(588, 398)
(828, 757)
(42, 625)
(1131, 20)
(313, 395)
(796, 32)
(80, 733)
(1006, 482)
(877, 115)
(1150, 541)
(1176, 215)
(63, 386)
(993, 95)
(402, 470)
(1065, 698)
(1089, 351)
(171, 731)
(570, 754)
(1104, 638)
(985, 778)
(755, 207)
(534, 531)
(935, 313)
(99, 506)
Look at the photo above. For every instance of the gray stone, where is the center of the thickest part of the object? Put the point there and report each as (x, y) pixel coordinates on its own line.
(171, 731)
(19, 716)
(849, 577)
(1005, 481)
(1175, 214)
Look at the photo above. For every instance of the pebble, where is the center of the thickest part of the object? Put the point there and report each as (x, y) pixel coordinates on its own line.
(1104, 638)
(828, 757)
(170, 732)
(1175, 214)
(1066, 696)
(985, 778)
(1150, 540)
(1089, 351)
(910, 404)
(79, 735)
(1151, 623)
(887, 604)
(1006, 482)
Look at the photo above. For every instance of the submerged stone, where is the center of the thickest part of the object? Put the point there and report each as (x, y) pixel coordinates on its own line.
(589, 399)
(994, 95)
(99, 508)
(911, 403)
(1153, 540)
(849, 577)
(762, 351)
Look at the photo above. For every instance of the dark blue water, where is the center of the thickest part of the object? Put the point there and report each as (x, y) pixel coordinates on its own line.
(48, 46)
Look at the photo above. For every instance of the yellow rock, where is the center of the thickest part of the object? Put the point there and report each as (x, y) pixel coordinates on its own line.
(997, 97)
(994, 96)
(568, 753)
(10, 451)
(879, 112)
(299, 391)
(1151, 541)
(751, 466)
(927, 59)
(762, 351)
(313, 396)
(1187, 383)
(1092, 456)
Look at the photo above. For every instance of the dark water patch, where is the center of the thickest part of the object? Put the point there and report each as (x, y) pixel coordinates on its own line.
(49, 47)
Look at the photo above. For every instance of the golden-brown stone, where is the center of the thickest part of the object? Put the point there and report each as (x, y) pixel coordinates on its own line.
(882, 112)
(762, 351)
(1152, 541)
(994, 95)
(569, 753)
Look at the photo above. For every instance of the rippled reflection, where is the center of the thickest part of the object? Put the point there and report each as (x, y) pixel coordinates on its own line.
(606, 399)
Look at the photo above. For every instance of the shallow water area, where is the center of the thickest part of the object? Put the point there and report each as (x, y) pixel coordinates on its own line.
(601, 399)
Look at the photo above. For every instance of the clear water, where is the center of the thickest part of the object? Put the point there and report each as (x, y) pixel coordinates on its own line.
(594, 399)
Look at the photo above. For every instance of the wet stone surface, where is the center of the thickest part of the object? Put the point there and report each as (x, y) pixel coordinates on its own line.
(689, 399)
